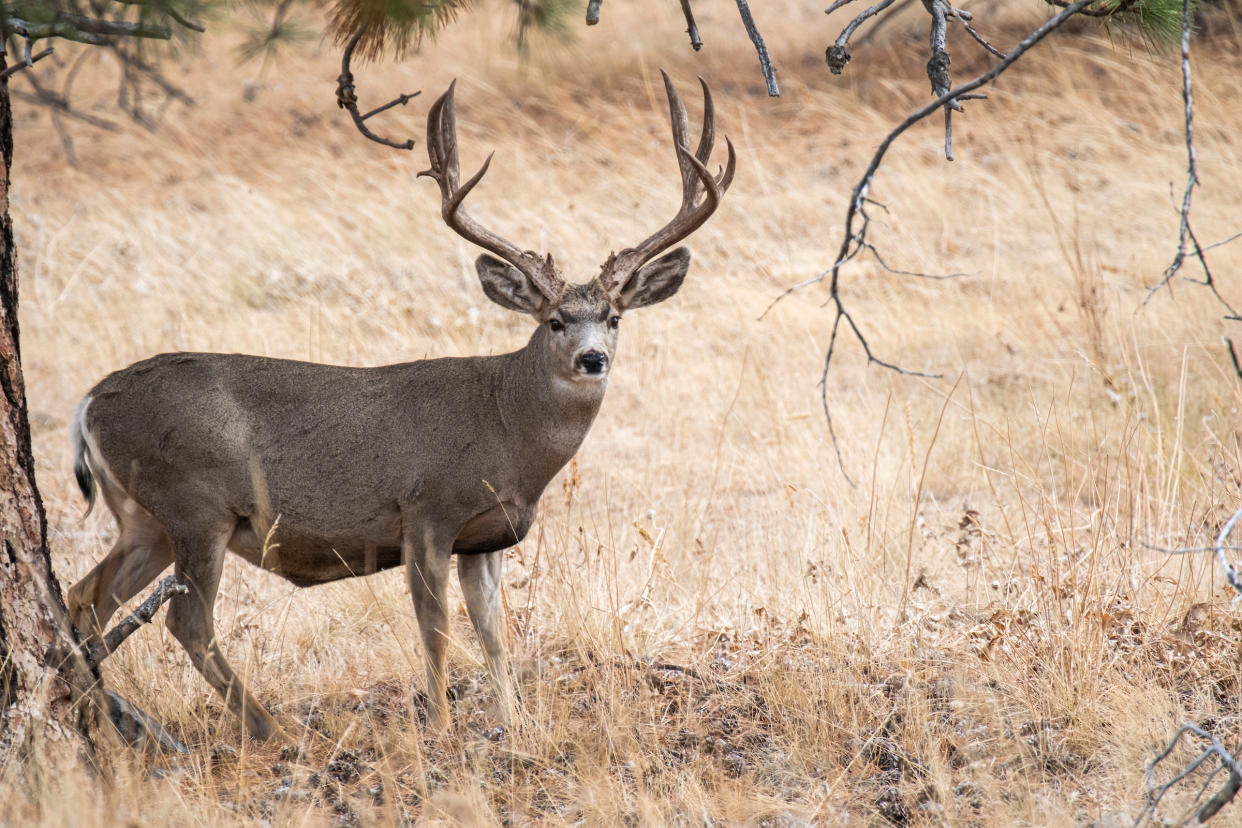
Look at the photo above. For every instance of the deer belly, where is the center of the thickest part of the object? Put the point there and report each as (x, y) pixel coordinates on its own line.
(498, 528)
(306, 560)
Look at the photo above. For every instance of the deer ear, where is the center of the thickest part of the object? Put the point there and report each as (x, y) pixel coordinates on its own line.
(655, 281)
(507, 286)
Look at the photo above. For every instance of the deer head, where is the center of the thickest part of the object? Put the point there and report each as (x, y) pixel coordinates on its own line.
(579, 321)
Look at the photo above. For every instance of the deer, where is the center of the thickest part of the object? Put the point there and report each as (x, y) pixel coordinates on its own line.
(320, 472)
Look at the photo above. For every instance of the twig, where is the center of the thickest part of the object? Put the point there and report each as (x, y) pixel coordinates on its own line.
(881, 24)
(1233, 355)
(765, 62)
(838, 54)
(935, 277)
(347, 97)
(1208, 279)
(1223, 242)
(153, 74)
(592, 13)
(1188, 550)
(1192, 170)
(692, 28)
(964, 17)
(1226, 762)
(25, 64)
(96, 653)
(1106, 10)
(46, 97)
(171, 11)
(1231, 574)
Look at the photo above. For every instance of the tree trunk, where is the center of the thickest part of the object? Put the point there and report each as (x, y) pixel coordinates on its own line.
(46, 691)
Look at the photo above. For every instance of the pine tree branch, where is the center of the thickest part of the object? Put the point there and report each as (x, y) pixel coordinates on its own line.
(172, 11)
(84, 29)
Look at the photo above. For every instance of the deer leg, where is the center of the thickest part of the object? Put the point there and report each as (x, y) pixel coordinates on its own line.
(480, 583)
(200, 559)
(427, 569)
(141, 552)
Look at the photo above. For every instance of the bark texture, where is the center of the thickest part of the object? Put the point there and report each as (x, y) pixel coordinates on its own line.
(42, 687)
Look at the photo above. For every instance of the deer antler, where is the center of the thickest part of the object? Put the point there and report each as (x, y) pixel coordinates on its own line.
(695, 180)
(445, 170)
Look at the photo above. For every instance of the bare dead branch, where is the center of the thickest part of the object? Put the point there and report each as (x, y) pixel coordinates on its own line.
(1225, 762)
(1107, 10)
(765, 62)
(692, 28)
(880, 25)
(938, 68)
(936, 277)
(347, 97)
(838, 54)
(1192, 170)
(1188, 550)
(1221, 546)
(964, 17)
(193, 25)
(48, 98)
(592, 12)
(1223, 242)
(139, 729)
(854, 238)
(1208, 279)
(151, 73)
(31, 60)
(167, 588)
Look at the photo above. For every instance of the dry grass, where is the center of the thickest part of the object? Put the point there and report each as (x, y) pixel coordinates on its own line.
(975, 634)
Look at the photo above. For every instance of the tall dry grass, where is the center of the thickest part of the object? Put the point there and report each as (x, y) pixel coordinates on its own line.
(709, 624)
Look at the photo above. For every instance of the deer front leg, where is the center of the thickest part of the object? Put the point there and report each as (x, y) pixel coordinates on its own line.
(480, 583)
(427, 570)
(199, 559)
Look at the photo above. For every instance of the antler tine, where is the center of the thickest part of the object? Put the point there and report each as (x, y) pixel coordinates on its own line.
(708, 139)
(689, 220)
(695, 177)
(681, 138)
(446, 171)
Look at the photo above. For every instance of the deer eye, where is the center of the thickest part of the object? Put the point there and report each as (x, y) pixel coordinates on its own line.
(614, 322)
(556, 325)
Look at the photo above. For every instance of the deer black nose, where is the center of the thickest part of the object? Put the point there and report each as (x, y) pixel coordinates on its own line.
(592, 362)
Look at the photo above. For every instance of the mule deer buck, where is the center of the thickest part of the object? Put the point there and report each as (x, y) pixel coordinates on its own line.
(355, 470)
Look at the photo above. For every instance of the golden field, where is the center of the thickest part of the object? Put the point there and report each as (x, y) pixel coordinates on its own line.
(709, 624)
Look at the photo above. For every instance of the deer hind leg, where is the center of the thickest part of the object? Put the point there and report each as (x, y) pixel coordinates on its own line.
(480, 583)
(142, 551)
(427, 570)
(199, 559)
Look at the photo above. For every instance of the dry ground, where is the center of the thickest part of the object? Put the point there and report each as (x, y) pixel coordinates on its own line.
(709, 624)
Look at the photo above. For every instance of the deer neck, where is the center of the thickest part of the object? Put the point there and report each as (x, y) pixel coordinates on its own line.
(546, 415)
